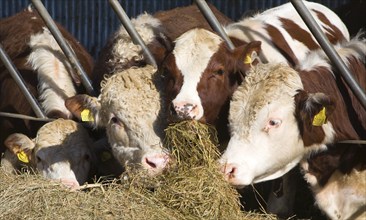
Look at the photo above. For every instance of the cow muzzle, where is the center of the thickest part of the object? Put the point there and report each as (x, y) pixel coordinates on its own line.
(184, 111)
(155, 163)
(232, 174)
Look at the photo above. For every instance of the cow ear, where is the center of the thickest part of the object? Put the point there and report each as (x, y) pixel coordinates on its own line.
(247, 55)
(313, 111)
(83, 107)
(21, 146)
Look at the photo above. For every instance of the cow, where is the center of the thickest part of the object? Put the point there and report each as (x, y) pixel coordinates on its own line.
(61, 150)
(202, 73)
(129, 108)
(281, 116)
(46, 71)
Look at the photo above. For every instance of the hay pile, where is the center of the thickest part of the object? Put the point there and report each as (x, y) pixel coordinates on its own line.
(192, 189)
(195, 186)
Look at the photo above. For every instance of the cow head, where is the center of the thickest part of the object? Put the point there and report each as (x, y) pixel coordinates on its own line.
(61, 151)
(274, 124)
(129, 107)
(201, 74)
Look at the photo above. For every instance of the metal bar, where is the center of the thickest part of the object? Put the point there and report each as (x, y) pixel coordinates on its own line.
(19, 80)
(214, 23)
(330, 51)
(25, 117)
(136, 38)
(64, 46)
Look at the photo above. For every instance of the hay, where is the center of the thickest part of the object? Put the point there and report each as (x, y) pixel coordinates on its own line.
(192, 189)
(31, 197)
(196, 187)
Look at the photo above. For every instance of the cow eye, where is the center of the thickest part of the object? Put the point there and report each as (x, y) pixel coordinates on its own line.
(114, 120)
(274, 122)
(220, 72)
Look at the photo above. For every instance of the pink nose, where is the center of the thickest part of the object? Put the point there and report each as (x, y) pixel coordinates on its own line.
(70, 183)
(155, 163)
(185, 110)
(230, 171)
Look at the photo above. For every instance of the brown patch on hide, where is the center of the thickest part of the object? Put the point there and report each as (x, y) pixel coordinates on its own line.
(281, 45)
(333, 34)
(181, 19)
(299, 34)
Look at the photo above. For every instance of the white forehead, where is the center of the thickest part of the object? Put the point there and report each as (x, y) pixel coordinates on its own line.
(62, 139)
(56, 132)
(193, 51)
(267, 89)
(135, 97)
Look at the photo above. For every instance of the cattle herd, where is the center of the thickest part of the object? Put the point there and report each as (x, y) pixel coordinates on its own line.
(276, 100)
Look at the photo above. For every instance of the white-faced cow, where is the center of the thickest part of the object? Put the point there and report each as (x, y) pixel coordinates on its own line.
(202, 73)
(280, 117)
(129, 107)
(60, 151)
(45, 69)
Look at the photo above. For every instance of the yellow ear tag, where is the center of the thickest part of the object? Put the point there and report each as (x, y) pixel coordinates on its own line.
(105, 156)
(320, 118)
(248, 60)
(86, 116)
(23, 157)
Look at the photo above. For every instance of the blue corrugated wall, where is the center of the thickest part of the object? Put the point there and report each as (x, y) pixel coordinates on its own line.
(93, 21)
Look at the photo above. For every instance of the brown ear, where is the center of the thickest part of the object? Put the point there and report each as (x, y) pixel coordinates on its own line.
(312, 111)
(247, 55)
(19, 144)
(77, 104)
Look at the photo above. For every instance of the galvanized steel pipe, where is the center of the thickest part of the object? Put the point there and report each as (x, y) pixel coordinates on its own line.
(214, 23)
(64, 46)
(330, 51)
(136, 38)
(20, 82)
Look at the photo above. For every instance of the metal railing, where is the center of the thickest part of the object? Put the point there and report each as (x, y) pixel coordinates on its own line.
(212, 20)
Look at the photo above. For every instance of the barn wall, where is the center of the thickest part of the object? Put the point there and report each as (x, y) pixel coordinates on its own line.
(93, 21)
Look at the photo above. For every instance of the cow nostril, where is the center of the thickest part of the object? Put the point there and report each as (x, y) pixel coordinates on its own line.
(229, 171)
(150, 163)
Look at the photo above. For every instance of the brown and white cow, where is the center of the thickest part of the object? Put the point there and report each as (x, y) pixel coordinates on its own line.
(280, 117)
(44, 68)
(60, 151)
(202, 73)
